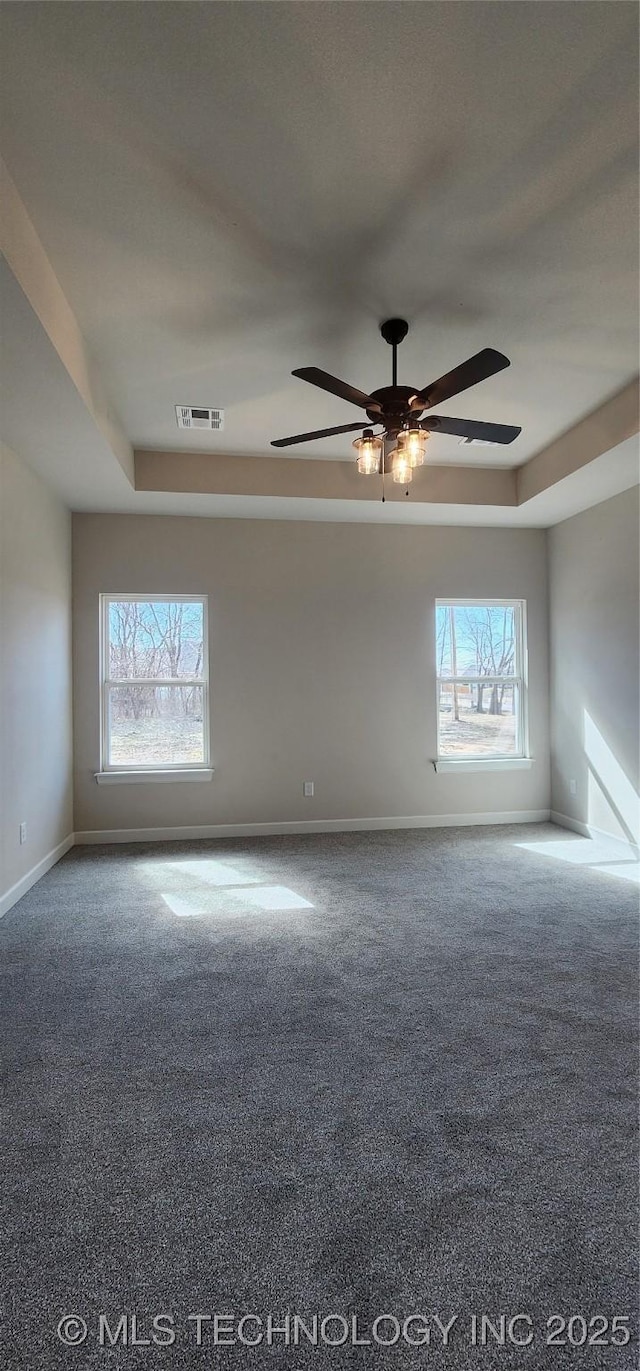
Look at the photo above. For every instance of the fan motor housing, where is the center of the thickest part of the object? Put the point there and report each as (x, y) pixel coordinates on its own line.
(395, 403)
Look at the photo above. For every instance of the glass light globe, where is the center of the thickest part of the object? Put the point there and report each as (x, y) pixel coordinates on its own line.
(369, 449)
(401, 471)
(412, 443)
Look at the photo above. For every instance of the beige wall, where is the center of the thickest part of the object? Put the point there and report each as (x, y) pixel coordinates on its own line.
(593, 579)
(35, 671)
(322, 665)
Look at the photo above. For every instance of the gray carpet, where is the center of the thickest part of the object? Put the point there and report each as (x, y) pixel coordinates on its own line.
(384, 1073)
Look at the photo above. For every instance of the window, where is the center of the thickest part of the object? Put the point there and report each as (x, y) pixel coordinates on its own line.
(154, 683)
(480, 662)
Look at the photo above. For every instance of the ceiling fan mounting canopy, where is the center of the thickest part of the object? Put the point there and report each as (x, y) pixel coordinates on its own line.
(394, 331)
(399, 407)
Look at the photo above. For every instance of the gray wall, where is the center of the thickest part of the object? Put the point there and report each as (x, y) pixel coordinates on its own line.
(593, 571)
(35, 671)
(322, 665)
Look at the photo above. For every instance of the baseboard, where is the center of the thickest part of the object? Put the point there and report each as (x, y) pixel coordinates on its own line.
(598, 834)
(162, 835)
(21, 887)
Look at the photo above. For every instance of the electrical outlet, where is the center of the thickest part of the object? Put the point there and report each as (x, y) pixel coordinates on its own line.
(573, 789)
(23, 833)
(307, 789)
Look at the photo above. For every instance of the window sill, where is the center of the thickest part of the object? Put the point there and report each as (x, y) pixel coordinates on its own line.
(465, 764)
(203, 773)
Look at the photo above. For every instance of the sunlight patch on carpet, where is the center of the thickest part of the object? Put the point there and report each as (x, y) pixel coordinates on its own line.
(609, 858)
(234, 902)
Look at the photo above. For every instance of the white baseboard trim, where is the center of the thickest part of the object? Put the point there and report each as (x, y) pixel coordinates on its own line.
(597, 834)
(163, 835)
(21, 887)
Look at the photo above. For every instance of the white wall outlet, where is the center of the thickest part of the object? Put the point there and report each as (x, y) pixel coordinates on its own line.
(23, 833)
(307, 789)
(573, 788)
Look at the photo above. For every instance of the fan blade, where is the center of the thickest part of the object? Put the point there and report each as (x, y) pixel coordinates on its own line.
(478, 368)
(320, 433)
(336, 387)
(471, 428)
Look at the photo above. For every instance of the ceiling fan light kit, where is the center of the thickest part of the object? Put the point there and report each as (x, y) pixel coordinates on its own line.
(401, 410)
(408, 454)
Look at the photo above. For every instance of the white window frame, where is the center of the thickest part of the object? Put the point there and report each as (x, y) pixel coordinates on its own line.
(172, 770)
(494, 761)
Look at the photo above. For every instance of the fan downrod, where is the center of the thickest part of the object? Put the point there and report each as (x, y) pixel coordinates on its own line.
(393, 331)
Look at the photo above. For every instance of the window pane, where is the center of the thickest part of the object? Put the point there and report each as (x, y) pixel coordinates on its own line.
(155, 638)
(478, 721)
(155, 725)
(476, 640)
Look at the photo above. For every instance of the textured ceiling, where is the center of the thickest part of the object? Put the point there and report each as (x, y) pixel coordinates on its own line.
(227, 191)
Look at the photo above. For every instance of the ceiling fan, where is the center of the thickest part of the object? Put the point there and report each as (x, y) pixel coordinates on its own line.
(401, 411)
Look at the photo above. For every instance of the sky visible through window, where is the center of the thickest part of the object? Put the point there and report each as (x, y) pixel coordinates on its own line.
(475, 640)
(155, 639)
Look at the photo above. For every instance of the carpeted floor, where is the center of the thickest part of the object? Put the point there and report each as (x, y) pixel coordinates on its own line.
(358, 1074)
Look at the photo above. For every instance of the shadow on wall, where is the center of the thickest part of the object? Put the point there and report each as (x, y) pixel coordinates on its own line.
(612, 802)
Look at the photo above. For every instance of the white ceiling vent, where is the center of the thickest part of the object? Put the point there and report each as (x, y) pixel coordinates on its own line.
(477, 442)
(188, 416)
